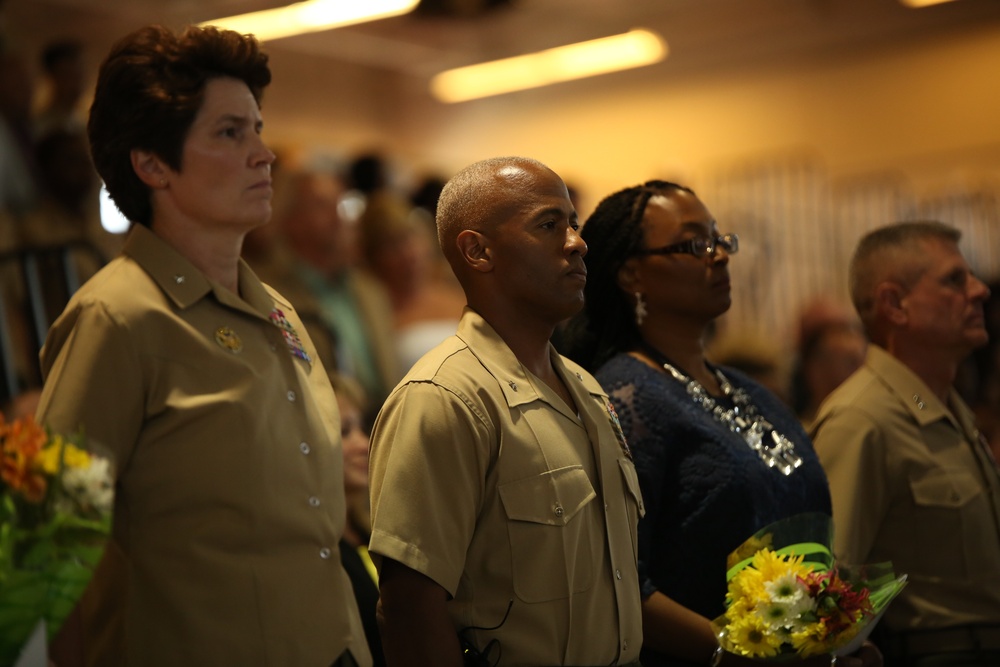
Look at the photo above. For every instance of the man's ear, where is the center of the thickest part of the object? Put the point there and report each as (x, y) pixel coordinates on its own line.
(889, 303)
(475, 250)
(150, 169)
(628, 276)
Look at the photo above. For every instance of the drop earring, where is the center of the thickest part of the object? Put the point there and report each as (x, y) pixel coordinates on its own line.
(640, 309)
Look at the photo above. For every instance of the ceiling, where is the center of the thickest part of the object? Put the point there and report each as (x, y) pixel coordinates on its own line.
(365, 87)
(703, 35)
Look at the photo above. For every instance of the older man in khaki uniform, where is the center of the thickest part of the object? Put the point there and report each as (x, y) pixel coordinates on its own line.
(504, 498)
(911, 478)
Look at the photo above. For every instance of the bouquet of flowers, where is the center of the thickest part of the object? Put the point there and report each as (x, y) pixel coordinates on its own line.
(787, 596)
(55, 516)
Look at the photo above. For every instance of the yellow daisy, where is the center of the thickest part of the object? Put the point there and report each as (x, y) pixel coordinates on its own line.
(72, 456)
(810, 640)
(772, 566)
(749, 636)
(748, 583)
(748, 549)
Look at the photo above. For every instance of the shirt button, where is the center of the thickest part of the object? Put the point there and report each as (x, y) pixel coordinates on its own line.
(606, 507)
(558, 509)
(304, 447)
(324, 553)
(313, 501)
(618, 574)
(291, 396)
(625, 645)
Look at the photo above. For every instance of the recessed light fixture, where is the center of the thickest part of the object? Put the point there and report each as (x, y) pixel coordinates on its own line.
(635, 48)
(923, 3)
(311, 16)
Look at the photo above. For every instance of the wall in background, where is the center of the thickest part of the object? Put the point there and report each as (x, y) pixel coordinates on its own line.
(799, 157)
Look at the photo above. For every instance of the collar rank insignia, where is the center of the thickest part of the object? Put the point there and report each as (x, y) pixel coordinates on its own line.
(291, 337)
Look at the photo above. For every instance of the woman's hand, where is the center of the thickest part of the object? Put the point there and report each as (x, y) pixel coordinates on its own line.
(866, 656)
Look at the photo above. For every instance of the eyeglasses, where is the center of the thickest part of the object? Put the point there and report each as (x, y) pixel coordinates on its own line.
(700, 246)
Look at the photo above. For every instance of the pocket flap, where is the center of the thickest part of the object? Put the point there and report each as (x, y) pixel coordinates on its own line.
(944, 488)
(551, 498)
(632, 484)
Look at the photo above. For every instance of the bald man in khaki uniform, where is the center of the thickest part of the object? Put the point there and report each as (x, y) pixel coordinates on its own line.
(504, 498)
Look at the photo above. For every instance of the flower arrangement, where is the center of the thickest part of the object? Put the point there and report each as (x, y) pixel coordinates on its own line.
(56, 499)
(789, 598)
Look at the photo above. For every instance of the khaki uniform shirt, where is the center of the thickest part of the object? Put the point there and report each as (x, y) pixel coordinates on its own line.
(484, 480)
(912, 484)
(230, 499)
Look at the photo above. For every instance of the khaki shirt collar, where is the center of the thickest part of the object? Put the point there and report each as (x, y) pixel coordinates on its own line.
(516, 383)
(922, 403)
(184, 284)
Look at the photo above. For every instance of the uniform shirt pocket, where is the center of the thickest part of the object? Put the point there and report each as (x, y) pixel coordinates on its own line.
(950, 507)
(555, 535)
(944, 489)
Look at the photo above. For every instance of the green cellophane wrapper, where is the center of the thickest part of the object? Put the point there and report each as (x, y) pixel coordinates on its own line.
(789, 598)
(55, 520)
(56, 565)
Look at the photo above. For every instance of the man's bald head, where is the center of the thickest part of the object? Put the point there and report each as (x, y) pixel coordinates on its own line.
(481, 196)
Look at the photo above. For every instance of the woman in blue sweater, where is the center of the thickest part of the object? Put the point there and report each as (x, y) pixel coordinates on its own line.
(718, 456)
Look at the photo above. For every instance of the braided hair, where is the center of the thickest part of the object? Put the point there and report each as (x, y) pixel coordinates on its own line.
(613, 233)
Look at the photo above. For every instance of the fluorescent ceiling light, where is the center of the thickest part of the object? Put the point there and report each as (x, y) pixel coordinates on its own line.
(565, 63)
(923, 3)
(311, 16)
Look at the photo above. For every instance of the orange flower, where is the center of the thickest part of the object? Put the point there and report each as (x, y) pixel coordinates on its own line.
(22, 441)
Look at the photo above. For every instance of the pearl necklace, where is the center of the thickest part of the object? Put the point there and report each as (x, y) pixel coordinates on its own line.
(743, 419)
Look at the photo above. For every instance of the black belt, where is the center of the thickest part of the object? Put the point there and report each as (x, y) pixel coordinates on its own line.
(958, 639)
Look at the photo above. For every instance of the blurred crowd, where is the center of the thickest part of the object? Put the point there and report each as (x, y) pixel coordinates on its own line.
(354, 249)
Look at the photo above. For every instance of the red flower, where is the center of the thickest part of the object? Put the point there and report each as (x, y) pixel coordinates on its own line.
(22, 440)
(838, 605)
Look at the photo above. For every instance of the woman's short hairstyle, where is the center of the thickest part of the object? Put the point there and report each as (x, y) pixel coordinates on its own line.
(613, 233)
(149, 90)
